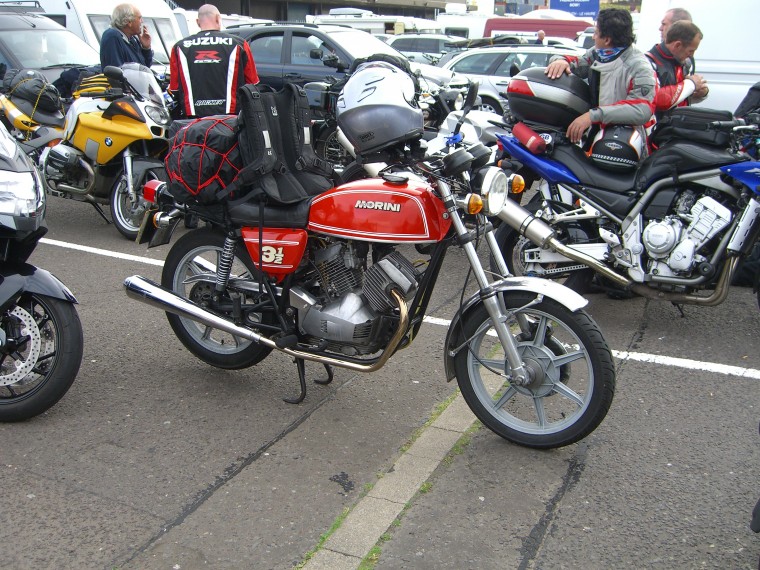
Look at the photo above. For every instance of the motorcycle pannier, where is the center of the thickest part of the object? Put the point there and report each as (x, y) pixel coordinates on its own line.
(691, 124)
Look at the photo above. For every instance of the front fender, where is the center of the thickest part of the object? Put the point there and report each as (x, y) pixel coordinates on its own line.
(141, 164)
(25, 278)
(571, 300)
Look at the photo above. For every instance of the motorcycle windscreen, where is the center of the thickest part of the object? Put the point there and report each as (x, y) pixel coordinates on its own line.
(377, 210)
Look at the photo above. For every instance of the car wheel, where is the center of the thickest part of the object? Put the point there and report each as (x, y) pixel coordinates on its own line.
(490, 105)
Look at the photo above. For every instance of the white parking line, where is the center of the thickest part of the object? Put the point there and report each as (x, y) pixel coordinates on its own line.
(105, 252)
(621, 355)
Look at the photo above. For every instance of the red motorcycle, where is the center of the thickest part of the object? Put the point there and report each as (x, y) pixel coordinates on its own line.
(330, 280)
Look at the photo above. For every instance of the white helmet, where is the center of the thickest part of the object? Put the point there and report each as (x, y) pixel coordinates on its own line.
(377, 108)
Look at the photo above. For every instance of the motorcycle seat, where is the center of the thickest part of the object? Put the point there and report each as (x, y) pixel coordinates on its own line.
(573, 157)
(681, 157)
(55, 119)
(283, 216)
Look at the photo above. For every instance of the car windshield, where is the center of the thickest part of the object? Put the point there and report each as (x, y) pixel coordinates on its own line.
(49, 48)
(361, 44)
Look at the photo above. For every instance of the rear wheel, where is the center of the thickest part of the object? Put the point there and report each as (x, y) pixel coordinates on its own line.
(190, 271)
(329, 149)
(128, 214)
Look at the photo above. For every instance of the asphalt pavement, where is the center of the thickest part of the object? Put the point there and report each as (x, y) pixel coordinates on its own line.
(154, 460)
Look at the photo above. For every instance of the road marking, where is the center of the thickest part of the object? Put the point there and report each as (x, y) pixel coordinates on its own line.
(621, 355)
(105, 252)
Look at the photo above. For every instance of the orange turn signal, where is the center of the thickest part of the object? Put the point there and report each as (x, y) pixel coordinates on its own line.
(516, 184)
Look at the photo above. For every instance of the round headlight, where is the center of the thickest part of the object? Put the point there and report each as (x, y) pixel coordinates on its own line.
(495, 190)
(158, 115)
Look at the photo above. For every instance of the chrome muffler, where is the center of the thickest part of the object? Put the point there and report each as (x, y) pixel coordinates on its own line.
(542, 234)
(151, 293)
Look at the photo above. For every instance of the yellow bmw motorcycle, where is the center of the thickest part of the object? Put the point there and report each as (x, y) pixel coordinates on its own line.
(113, 142)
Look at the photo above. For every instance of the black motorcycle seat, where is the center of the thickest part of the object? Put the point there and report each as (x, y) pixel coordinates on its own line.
(589, 173)
(282, 216)
(55, 119)
(681, 157)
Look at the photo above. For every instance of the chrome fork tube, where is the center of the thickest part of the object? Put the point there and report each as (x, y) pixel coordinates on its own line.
(128, 173)
(493, 247)
(488, 296)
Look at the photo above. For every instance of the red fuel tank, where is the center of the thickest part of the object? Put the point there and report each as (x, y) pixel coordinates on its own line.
(376, 210)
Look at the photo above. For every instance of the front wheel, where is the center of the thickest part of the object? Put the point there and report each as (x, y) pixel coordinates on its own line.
(570, 365)
(40, 355)
(128, 214)
(190, 271)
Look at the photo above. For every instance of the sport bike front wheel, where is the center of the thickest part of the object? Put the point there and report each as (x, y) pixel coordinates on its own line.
(573, 375)
(40, 355)
(190, 271)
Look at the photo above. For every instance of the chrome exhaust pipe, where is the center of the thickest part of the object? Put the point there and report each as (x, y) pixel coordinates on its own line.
(542, 234)
(151, 293)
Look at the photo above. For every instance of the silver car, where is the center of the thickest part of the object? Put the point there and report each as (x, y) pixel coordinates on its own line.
(492, 68)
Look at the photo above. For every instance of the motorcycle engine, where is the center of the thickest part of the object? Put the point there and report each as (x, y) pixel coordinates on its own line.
(65, 168)
(352, 308)
(674, 243)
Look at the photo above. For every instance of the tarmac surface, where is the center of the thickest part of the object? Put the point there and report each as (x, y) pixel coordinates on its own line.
(154, 460)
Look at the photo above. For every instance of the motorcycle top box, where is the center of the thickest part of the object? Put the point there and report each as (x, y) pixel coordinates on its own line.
(558, 102)
(392, 212)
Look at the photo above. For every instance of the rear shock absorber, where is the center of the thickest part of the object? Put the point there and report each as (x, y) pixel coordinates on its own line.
(224, 266)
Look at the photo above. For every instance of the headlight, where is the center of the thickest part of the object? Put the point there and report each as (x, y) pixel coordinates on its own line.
(158, 115)
(20, 195)
(494, 190)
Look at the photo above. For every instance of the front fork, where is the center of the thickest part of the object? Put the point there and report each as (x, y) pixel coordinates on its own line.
(127, 158)
(488, 295)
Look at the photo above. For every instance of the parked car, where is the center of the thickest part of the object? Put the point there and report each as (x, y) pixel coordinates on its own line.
(33, 41)
(585, 39)
(425, 48)
(295, 53)
(491, 67)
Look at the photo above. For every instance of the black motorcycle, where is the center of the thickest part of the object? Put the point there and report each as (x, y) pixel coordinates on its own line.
(40, 332)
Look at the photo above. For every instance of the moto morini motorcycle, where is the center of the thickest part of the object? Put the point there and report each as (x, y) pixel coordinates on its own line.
(344, 278)
(40, 333)
(670, 227)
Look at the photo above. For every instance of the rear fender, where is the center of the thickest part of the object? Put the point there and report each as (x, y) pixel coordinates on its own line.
(25, 278)
(551, 289)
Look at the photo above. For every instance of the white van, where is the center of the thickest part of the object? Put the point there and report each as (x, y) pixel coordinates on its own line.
(90, 18)
(729, 54)
(187, 21)
(376, 24)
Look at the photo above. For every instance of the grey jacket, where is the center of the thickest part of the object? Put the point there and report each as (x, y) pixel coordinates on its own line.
(625, 86)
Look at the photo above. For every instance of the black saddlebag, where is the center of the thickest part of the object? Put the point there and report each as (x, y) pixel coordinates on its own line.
(30, 85)
(691, 124)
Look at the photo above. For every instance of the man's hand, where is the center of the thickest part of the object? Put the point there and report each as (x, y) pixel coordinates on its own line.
(578, 127)
(556, 68)
(700, 85)
(144, 37)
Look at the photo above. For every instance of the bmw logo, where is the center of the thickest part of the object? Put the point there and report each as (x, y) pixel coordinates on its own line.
(109, 141)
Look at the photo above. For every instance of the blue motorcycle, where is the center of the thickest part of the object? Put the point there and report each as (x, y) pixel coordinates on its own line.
(675, 226)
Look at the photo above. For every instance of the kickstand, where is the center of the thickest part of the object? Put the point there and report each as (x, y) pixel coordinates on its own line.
(325, 381)
(679, 306)
(100, 211)
(302, 379)
(301, 365)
